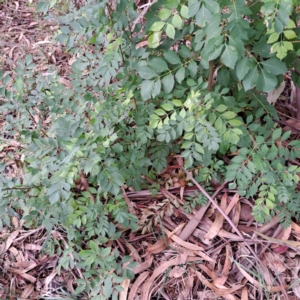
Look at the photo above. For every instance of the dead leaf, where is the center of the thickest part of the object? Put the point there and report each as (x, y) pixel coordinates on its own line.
(218, 223)
(137, 284)
(233, 201)
(24, 275)
(177, 272)
(292, 244)
(208, 272)
(226, 268)
(158, 247)
(143, 266)
(141, 44)
(182, 243)
(295, 227)
(125, 285)
(280, 249)
(179, 260)
(296, 283)
(274, 95)
(205, 295)
(11, 239)
(275, 262)
(17, 254)
(70, 283)
(66, 83)
(273, 289)
(27, 291)
(219, 289)
(48, 279)
(285, 233)
(32, 247)
(293, 125)
(244, 294)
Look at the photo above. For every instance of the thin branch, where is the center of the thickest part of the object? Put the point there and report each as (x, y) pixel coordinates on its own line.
(211, 75)
(31, 116)
(215, 204)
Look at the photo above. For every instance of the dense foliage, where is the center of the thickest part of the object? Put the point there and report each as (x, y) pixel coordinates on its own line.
(192, 80)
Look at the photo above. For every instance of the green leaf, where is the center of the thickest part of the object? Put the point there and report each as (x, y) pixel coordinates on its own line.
(223, 76)
(177, 21)
(274, 66)
(218, 124)
(231, 137)
(107, 288)
(188, 135)
(229, 56)
(288, 45)
(156, 88)
(273, 38)
(158, 64)
(146, 72)
(184, 11)
(146, 89)
(54, 197)
(177, 102)
(167, 106)
(266, 82)
(276, 134)
(180, 74)
(235, 122)
(170, 31)
(272, 153)
(160, 112)
(154, 39)
(28, 59)
(242, 68)
(190, 82)
(193, 8)
(278, 26)
(2, 166)
(192, 68)
(164, 14)
(83, 22)
(43, 7)
(171, 57)
(168, 83)
(172, 3)
(285, 136)
(184, 51)
(250, 79)
(93, 246)
(203, 16)
(221, 108)
(216, 53)
(75, 26)
(289, 34)
(78, 66)
(157, 26)
(213, 6)
(229, 115)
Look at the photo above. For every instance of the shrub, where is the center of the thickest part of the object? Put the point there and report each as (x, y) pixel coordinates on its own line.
(192, 80)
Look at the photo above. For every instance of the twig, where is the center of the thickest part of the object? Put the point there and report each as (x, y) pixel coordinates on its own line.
(203, 191)
(128, 202)
(193, 223)
(211, 75)
(141, 15)
(32, 118)
(297, 91)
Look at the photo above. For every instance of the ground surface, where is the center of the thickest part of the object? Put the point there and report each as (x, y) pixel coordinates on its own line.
(200, 264)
